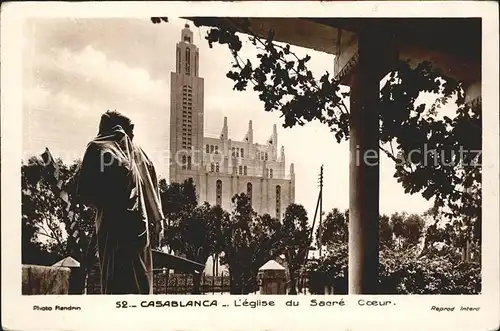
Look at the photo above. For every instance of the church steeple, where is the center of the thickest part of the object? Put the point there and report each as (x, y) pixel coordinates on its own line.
(187, 34)
(186, 110)
(187, 54)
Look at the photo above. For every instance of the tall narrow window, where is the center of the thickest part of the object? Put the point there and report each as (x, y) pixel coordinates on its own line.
(278, 202)
(242, 153)
(207, 148)
(232, 151)
(189, 162)
(240, 170)
(212, 148)
(249, 192)
(188, 60)
(245, 170)
(237, 152)
(186, 119)
(266, 157)
(217, 167)
(216, 149)
(196, 64)
(211, 167)
(184, 162)
(270, 173)
(178, 60)
(218, 193)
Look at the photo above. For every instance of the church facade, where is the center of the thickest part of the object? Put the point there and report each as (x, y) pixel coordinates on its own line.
(221, 167)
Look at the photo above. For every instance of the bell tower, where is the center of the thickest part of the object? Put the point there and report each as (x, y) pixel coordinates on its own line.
(186, 111)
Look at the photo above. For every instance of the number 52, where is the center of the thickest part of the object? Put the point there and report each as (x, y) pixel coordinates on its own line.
(121, 304)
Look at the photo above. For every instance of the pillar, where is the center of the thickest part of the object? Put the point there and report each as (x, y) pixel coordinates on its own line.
(76, 280)
(364, 165)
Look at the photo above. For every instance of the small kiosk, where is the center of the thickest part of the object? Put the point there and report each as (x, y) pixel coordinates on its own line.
(272, 278)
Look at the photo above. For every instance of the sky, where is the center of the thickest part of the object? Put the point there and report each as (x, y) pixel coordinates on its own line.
(76, 69)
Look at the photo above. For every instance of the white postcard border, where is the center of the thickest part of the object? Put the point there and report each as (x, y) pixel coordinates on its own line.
(100, 312)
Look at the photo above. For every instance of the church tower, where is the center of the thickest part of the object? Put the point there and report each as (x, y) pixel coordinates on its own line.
(186, 111)
(222, 166)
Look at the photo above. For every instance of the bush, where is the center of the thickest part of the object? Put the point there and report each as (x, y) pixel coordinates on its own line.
(331, 271)
(399, 273)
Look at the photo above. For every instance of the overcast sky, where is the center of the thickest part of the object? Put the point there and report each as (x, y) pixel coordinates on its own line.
(75, 69)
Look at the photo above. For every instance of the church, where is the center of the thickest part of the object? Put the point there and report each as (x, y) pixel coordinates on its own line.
(221, 167)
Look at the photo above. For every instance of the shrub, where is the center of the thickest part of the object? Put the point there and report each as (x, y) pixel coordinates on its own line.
(399, 273)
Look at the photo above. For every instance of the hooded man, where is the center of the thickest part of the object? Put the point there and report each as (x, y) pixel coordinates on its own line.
(119, 180)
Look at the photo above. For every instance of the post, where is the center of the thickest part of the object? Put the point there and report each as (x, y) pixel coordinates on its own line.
(222, 283)
(214, 259)
(364, 167)
(320, 211)
(306, 257)
(167, 284)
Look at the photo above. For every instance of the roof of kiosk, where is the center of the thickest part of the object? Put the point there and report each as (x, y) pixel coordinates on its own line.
(272, 265)
(67, 262)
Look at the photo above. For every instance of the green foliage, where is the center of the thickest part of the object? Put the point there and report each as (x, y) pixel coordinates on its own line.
(334, 228)
(283, 81)
(330, 270)
(250, 241)
(157, 20)
(435, 155)
(438, 267)
(176, 197)
(454, 237)
(45, 224)
(243, 239)
(192, 230)
(403, 274)
(407, 229)
(385, 233)
(197, 232)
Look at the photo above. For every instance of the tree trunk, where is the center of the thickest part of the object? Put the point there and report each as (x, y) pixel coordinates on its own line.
(248, 285)
(196, 283)
(236, 287)
(292, 290)
(235, 281)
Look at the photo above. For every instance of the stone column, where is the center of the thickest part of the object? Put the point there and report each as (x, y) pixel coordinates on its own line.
(364, 166)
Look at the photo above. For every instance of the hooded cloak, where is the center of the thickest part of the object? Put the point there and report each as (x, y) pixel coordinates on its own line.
(119, 180)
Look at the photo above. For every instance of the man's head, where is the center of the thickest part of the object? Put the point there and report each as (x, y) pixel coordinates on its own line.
(111, 119)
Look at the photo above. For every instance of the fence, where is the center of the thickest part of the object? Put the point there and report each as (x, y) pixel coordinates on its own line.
(167, 283)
